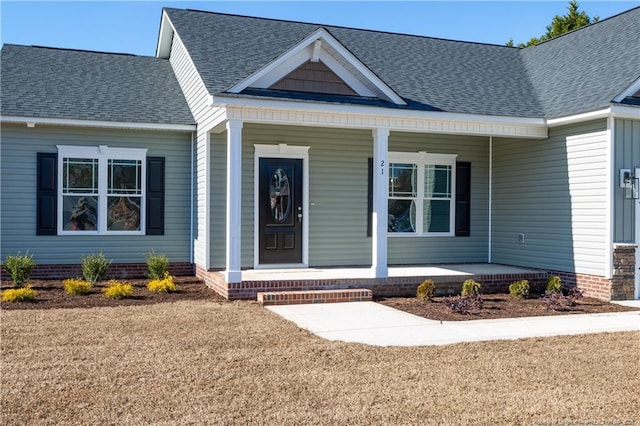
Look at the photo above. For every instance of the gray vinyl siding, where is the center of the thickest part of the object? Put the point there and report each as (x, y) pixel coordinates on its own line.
(554, 192)
(197, 98)
(18, 214)
(416, 250)
(626, 156)
(338, 195)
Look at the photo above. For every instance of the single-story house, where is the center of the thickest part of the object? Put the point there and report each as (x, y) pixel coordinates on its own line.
(250, 144)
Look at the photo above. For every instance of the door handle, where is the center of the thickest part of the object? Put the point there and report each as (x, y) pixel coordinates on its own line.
(299, 217)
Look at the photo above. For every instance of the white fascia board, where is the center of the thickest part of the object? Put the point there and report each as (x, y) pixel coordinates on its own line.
(586, 116)
(165, 37)
(617, 111)
(222, 101)
(304, 51)
(628, 112)
(96, 123)
(635, 86)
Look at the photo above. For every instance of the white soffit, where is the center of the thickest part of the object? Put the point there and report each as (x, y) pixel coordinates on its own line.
(362, 80)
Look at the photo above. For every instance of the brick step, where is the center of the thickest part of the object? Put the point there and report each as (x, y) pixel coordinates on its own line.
(314, 296)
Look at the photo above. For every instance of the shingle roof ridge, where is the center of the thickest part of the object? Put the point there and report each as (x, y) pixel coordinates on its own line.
(343, 27)
(584, 27)
(67, 49)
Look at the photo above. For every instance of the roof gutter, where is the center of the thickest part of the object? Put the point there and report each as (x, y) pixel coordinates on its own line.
(615, 111)
(34, 121)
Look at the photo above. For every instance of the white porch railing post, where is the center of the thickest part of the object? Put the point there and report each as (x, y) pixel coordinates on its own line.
(380, 192)
(234, 195)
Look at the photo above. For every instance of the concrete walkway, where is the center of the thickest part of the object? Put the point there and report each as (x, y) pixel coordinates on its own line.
(375, 324)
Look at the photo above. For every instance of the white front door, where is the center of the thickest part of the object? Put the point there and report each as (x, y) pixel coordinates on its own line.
(637, 207)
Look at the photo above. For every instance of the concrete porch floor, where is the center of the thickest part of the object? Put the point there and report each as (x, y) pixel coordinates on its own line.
(444, 270)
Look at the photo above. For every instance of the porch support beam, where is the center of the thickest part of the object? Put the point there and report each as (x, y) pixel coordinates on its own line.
(233, 272)
(380, 192)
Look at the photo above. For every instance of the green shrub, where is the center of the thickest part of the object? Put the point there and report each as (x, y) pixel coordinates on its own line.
(94, 267)
(519, 289)
(426, 290)
(118, 290)
(19, 267)
(163, 285)
(76, 286)
(24, 294)
(470, 288)
(158, 265)
(554, 284)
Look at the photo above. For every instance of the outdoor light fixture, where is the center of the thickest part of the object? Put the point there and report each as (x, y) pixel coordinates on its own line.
(630, 183)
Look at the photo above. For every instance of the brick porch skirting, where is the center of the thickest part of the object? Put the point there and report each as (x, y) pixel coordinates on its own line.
(115, 271)
(393, 286)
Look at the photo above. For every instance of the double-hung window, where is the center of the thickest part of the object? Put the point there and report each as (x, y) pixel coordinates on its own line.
(101, 190)
(421, 197)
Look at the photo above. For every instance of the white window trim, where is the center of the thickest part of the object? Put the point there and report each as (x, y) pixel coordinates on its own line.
(422, 159)
(102, 153)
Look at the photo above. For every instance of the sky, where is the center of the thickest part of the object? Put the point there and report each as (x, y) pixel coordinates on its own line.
(132, 27)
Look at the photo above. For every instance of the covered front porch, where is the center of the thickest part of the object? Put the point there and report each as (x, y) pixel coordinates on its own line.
(401, 280)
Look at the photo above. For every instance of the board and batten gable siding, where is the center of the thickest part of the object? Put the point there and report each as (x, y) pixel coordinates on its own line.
(338, 168)
(20, 146)
(197, 98)
(626, 156)
(554, 192)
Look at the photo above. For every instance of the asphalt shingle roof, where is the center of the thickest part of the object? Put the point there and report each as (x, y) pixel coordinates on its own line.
(429, 73)
(72, 84)
(586, 69)
(577, 72)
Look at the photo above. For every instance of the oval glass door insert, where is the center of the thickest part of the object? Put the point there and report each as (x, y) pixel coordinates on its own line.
(279, 196)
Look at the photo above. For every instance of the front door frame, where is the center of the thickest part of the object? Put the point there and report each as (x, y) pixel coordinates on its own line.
(280, 151)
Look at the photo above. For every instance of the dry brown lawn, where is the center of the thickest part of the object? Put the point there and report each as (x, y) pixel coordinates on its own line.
(203, 362)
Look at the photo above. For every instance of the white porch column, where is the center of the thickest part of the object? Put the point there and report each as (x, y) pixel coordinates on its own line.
(380, 192)
(234, 196)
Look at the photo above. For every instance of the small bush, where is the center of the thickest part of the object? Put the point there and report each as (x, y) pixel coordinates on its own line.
(426, 290)
(158, 265)
(574, 294)
(554, 301)
(164, 285)
(24, 294)
(118, 290)
(19, 267)
(94, 267)
(470, 288)
(76, 286)
(560, 302)
(465, 305)
(554, 284)
(519, 289)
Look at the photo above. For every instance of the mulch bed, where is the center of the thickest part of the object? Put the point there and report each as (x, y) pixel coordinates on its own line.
(498, 306)
(51, 295)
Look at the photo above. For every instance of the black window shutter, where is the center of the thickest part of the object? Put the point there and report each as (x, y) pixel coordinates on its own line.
(47, 194)
(463, 199)
(155, 196)
(370, 197)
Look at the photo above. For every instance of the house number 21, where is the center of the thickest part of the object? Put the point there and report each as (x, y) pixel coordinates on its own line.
(382, 167)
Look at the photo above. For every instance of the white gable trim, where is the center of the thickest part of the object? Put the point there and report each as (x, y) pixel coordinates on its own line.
(635, 86)
(304, 51)
(165, 37)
